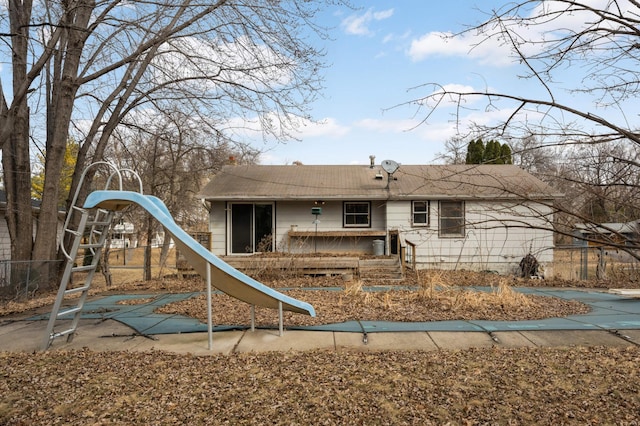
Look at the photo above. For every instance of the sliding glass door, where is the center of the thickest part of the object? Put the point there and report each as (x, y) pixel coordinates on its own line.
(251, 228)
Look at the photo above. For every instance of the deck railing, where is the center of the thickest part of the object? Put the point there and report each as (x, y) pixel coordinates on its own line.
(408, 255)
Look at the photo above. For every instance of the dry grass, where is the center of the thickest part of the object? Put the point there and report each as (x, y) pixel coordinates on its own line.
(620, 267)
(437, 291)
(360, 301)
(439, 296)
(436, 286)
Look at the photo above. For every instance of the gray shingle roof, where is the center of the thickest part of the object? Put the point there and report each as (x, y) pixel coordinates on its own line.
(350, 182)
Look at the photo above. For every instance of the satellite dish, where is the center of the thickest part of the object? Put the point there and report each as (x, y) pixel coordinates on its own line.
(390, 166)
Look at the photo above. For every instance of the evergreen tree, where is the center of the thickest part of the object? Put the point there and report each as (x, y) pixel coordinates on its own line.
(491, 153)
(505, 154)
(475, 152)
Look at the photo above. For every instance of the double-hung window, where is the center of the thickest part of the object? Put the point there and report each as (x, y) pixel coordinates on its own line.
(420, 213)
(357, 214)
(451, 216)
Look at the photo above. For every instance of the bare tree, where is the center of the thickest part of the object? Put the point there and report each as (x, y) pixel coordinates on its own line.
(599, 40)
(174, 155)
(607, 186)
(82, 67)
(455, 150)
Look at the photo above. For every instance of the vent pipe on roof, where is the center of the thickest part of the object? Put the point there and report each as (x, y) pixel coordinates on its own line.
(372, 161)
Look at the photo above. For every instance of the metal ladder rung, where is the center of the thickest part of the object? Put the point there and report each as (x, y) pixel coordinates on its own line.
(99, 223)
(73, 232)
(69, 311)
(89, 246)
(61, 333)
(76, 290)
(83, 268)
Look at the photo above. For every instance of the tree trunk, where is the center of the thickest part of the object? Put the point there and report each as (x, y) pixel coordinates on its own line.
(61, 103)
(15, 150)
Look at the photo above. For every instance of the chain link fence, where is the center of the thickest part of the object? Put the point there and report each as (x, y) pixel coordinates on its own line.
(590, 263)
(22, 279)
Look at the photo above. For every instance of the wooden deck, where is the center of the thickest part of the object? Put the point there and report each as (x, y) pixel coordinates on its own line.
(295, 265)
(374, 268)
(338, 234)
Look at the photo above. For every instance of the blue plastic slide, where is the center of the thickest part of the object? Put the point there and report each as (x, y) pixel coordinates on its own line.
(223, 276)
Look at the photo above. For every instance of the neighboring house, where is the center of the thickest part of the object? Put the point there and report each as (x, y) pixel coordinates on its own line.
(5, 241)
(608, 233)
(122, 235)
(480, 217)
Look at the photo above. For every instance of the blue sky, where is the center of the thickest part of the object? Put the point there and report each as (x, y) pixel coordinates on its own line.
(375, 60)
(381, 54)
(385, 52)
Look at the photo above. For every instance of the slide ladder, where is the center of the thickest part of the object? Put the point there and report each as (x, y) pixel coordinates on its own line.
(87, 239)
(87, 231)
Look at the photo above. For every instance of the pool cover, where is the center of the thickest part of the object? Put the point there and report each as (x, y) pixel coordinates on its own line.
(608, 312)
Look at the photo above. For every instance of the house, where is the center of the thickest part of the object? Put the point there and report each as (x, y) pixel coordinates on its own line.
(5, 240)
(123, 235)
(6, 264)
(614, 233)
(479, 217)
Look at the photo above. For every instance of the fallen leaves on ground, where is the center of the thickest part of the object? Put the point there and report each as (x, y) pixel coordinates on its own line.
(596, 385)
(580, 385)
(335, 306)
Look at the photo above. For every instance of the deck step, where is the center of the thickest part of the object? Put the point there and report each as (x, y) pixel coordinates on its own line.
(387, 269)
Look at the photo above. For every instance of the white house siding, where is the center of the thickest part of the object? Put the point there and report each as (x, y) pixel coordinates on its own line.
(5, 241)
(289, 214)
(297, 214)
(497, 237)
(217, 227)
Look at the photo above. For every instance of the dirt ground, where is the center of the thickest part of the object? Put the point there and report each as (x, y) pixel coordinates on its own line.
(594, 385)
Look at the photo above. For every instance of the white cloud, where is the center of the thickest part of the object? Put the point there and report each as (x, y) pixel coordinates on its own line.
(489, 52)
(531, 33)
(191, 57)
(327, 127)
(251, 129)
(359, 24)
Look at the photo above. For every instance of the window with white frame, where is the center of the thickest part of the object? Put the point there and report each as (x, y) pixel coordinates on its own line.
(357, 214)
(420, 213)
(451, 216)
